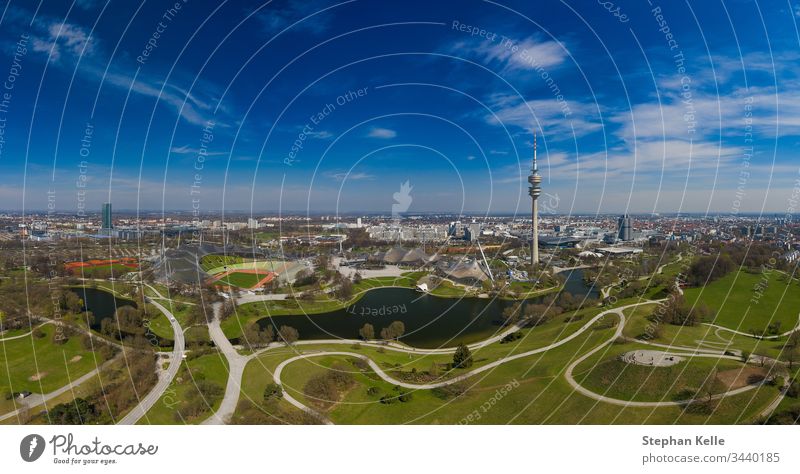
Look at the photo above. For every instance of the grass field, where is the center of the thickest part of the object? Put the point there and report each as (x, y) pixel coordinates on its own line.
(535, 392)
(605, 374)
(407, 280)
(114, 270)
(742, 307)
(700, 336)
(242, 280)
(171, 407)
(21, 360)
(251, 312)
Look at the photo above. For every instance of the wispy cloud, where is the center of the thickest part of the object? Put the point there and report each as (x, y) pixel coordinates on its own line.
(187, 150)
(320, 135)
(546, 114)
(281, 14)
(351, 176)
(384, 133)
(528, 54)
(60, 38)
(65, 44)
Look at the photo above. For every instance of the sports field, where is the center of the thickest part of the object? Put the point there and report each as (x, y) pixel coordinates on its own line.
(245, 279)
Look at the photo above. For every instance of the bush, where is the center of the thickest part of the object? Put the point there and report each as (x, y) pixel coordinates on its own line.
(273, 392)
(451, 391)
(511, 337)
(794, 390)
(388, 399)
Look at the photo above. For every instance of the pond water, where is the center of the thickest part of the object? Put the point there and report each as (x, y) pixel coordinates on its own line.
(101, 303)
(430, 321)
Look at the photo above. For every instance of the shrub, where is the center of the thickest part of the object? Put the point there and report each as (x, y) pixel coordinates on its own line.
(273, 392)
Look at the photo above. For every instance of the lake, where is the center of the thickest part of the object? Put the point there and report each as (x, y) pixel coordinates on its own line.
(430, 321)
(101, 303)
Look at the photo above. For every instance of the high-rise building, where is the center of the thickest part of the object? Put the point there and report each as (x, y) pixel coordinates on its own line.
(624, 231)
(535, 190)
(107, 223)
(472, 231)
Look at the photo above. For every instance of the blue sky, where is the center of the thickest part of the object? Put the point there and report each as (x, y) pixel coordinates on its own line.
(450, 93)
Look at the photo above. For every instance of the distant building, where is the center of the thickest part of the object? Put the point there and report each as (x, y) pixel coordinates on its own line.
(106, 211)
(624, 231)
(472, 231)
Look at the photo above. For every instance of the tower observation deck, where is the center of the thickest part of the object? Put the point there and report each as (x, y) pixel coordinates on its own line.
(535, 189)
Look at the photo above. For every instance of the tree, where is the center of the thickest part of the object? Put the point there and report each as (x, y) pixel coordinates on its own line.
(367, 332)
(395, 330)
(511, 314)
(345, 289)
(791, 355)
(462, 358)
(288, 334)
(745, 356)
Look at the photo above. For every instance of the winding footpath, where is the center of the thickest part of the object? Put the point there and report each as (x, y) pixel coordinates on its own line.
(165, 378)
(619, 312)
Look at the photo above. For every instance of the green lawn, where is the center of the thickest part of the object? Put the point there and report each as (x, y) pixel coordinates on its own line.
(242, 280)
(740, 306)
(407, 280)
(160, 326)
(700, 336)
(211, 368)
(606, 375)
(114, 269)
(22, 359)
(538, 394)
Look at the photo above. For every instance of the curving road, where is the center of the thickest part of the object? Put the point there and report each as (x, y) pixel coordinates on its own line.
(165, 378)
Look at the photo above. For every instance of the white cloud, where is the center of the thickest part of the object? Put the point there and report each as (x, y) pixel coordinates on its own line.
(382, 133)
(351, 176)
(187, 150)
(530, 53)
(546, 114)
(60, 38)
(320, 135)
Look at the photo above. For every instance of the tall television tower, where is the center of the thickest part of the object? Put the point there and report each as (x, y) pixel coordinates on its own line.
(534, 190)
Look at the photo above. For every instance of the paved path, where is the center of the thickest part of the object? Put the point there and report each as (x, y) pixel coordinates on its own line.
(629, 403)
(568, 374)
(427, 386)
(774, 405)
(244, 299)
(20, 336)
(165, 378)
(37, 399)
(742, 333)
(236, 365)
